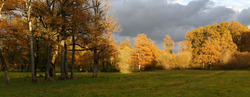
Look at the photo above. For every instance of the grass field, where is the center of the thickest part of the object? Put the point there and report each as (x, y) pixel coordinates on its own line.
(154, 83)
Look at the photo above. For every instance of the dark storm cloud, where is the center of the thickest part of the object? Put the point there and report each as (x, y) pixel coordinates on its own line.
(157, 18)
(244, 16)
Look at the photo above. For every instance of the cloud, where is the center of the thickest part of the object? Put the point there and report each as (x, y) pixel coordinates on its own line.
(244, 16)
(160, 18)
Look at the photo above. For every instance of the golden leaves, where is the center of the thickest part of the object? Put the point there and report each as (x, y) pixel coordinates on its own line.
(211, 43)
(168, 43)
(145, 51)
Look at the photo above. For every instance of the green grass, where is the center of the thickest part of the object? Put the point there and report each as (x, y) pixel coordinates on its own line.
(154, 83)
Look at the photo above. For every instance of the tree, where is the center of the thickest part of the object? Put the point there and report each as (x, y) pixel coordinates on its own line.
(102, 26)
(80, 16)
(31, 42)
(196, 38)
(4, 65)
(183, 60)
(212, 44)
(245, 42)
(126, 43)
(125, 56)
(108, 55)
(168, 44)
(185, 46)
(145, 52)
(165, 60)
(236, 30)
(5, 27)
(210, 52)
(1, 55)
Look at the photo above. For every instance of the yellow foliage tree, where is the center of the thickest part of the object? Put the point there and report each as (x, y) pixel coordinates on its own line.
(168, 44)
(126, 43)
(125, 59)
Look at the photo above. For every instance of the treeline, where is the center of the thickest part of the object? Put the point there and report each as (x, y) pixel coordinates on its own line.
(70, 36)
(47, 35)
(218, 46)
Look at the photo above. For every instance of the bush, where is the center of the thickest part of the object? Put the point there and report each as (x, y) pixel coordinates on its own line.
(165, 61)
(182, 60)
(240, 60)
(125, 60)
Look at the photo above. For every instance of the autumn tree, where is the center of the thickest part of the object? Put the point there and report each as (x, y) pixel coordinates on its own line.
(165, 60)
(168, 44)
(7, 8)
(245, 42)
(70, 16)
(4, 65)
(28, 3)
(196, 37)
(213, 44)
(182, 60)
(3, 62)
(145, 52)
(185, 54)
(125, 56)
(100, 28)
(126, 43)
(236, 30)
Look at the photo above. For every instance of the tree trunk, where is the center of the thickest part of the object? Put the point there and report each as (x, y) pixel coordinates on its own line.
(1, 7)
(36, 54)
(139, 58)
(103, 67)
(62, 59)
(53, 67)
(52, 72)
(47, 75)
(95, 64)
(73, 57)
(65, 61)
(5, 68)
(35, 71)
(139, 66)
(31, 43)
(27, 68)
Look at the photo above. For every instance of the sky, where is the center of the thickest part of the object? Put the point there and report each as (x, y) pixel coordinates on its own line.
(158, 18)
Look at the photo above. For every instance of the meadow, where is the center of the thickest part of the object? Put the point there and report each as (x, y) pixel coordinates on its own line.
(172, 83)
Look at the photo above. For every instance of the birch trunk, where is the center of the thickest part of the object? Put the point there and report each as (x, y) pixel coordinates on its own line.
(1, 7)
(31, 43)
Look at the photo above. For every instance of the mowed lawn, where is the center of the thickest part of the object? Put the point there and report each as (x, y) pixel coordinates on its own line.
(152, 83)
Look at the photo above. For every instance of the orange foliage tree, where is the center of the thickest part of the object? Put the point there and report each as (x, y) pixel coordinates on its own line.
(145, 52)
